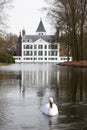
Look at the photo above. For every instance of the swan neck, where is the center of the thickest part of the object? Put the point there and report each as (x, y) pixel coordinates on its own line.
(51, 105)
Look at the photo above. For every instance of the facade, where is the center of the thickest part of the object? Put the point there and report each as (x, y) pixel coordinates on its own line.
(39, 48)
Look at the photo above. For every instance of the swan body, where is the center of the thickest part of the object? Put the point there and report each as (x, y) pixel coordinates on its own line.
(50, 108)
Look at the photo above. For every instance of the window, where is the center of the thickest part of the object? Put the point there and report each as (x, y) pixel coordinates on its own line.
(49, 46)
(40, 33)
(30, 40)
(40, 46)
(53, 46)
(30, 47)
(24, 46)
(28, 53)
(27, 46)
(49, 53)
(45, 53)
(40, 53)
(35, 46)
(35, 58)
(35, 53)
(24, 53)
(55, 53)
(52, 53)
(40, 58)
(45, 46)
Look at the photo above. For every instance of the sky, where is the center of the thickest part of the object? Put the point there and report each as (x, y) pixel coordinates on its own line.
(26, 14)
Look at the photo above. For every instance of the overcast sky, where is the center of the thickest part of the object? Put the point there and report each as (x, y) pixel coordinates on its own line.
(26, 14)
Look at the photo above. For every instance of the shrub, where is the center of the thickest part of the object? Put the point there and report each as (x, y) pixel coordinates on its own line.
(6, 58)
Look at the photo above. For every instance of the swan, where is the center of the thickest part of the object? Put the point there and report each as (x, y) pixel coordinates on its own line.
(50, 108)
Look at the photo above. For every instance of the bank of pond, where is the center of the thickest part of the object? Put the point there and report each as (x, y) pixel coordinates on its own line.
(74, 63)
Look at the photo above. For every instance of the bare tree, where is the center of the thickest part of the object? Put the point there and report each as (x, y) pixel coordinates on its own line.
(70, 18)
(4, 6)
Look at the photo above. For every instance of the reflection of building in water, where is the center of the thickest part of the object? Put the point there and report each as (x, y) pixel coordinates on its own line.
(63, 84)
(40, 79)
(20, 78)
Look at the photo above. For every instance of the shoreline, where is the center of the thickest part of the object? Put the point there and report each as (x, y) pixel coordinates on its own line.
(70, 63)
(4, 64)
(74, 64)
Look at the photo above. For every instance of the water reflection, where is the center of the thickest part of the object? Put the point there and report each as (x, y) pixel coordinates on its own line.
(73, 84)
(37, 79)
(68, 84)
(25, 88)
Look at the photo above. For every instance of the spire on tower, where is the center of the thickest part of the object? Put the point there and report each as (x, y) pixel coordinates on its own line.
(20, 38)
(41, 30)
(23, 32)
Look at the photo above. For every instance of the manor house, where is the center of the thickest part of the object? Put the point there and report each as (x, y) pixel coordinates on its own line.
(39, 47)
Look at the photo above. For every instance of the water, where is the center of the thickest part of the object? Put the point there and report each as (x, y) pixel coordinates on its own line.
(25, 88)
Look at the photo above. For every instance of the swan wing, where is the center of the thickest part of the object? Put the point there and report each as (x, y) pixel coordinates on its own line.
(50, 111)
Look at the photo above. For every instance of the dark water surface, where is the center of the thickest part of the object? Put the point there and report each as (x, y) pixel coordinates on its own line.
(25, 88)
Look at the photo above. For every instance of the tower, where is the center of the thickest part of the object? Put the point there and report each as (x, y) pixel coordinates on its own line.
(19, 45)
(40, 29)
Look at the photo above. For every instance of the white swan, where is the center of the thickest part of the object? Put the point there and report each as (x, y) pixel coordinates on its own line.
(50, 108)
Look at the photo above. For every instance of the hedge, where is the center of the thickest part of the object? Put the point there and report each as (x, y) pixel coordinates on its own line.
(6, 58)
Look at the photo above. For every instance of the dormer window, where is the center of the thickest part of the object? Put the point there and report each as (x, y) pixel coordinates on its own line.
(29, 40)
(40, 33)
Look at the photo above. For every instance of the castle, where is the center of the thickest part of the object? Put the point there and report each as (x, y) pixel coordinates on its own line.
(38, 48)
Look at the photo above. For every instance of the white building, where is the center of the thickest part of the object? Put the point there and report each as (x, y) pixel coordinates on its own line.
(39, 48)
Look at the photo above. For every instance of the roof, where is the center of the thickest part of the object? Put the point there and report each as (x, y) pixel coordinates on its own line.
(41, 27)
(47, 38)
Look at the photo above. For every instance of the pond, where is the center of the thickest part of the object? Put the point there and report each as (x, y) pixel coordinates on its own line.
(25, 88)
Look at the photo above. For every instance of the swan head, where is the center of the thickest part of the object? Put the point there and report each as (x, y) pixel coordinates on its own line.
(51, 102)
